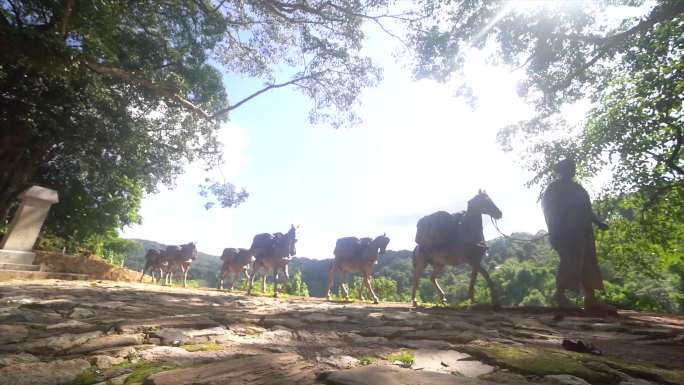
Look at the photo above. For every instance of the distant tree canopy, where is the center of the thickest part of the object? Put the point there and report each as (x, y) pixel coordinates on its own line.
(104, 100)
(629, 69)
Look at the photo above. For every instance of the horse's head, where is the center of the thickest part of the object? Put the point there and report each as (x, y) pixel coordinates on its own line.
(482, 203)
(381, 242)
(292, 239)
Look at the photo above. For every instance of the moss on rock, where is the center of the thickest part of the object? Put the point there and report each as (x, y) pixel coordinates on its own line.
(541, 361)
(205, 347)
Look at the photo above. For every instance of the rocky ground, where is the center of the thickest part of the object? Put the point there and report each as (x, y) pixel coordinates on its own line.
(76, 332)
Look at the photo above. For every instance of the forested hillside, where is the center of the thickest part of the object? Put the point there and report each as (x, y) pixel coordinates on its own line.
(524, 272)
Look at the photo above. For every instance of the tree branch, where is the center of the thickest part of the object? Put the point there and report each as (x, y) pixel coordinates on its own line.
(671, 160)
(17, 16)
(148, 84)
(261, 91)
(219, 6)
(67, 15)
(658, 15)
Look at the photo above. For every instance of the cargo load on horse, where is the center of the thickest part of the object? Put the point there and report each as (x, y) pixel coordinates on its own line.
(262, 242)
(438, 229)
(351, 246)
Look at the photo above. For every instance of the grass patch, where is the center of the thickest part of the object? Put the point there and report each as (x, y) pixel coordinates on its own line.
(367, 360)
(141, 369)
(206, 347)
(406, 357)
(87, 377)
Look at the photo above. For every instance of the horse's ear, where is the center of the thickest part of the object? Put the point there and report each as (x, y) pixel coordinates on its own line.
(384, 234)
(479, 191)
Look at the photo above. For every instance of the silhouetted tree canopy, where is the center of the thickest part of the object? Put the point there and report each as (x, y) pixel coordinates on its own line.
(628, 68)
(105, 100)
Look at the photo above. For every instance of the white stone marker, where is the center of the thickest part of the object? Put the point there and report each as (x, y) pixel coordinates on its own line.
(25, 226)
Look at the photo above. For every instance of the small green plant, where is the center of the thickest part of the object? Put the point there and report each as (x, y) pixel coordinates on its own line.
(87, 377)
(405, 357)
(367, 360)
(143, 369)
(206, 347)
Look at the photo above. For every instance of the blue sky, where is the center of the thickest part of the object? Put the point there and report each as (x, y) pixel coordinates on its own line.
(419, 149)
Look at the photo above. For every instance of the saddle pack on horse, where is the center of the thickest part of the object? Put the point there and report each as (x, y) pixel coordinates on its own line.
(439, 228)
(266, 242)
(351, 247)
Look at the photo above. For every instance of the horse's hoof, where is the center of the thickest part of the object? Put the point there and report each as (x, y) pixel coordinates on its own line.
(414, 303)
(375, 301)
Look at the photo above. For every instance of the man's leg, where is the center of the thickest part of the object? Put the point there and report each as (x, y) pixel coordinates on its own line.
(568, 276)
(591, 277)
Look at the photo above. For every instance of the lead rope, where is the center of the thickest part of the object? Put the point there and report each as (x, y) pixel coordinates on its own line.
(533, 239)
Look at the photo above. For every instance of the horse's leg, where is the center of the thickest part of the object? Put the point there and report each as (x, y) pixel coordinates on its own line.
(143, 272)
(366, 280)
(275, 282)
(419, 262)
(287, 273)
(184, 270)
(436, 272)
(331, 278)
(492, 289)
(343, 285)
(263, 281)
(247, 276)
(473, 279)
(222, 276)
(251, 279)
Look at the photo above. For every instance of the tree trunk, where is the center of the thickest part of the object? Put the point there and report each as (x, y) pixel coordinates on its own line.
(20, 160)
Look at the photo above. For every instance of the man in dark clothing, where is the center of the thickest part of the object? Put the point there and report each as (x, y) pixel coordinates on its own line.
(569, 218)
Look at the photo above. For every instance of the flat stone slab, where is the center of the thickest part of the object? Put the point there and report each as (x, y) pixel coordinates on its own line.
(387, 375)
(434, 360)
(8, 275)
(263, 369)
(18, 257)
(12, 333)
(449, 361)
(17, 266)
(43, 373)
